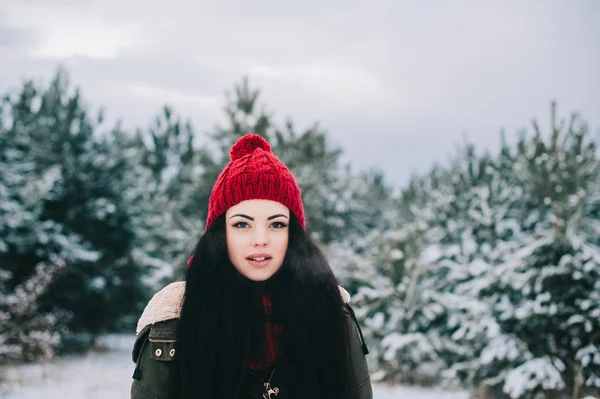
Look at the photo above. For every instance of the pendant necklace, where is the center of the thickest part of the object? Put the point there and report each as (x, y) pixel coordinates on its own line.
(269, 391)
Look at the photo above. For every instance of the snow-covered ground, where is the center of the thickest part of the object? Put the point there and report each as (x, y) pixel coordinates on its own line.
(107, 374)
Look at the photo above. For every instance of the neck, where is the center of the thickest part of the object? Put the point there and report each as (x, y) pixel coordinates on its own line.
(255, 288)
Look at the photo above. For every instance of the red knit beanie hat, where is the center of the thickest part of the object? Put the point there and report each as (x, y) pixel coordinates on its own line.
(254, 172)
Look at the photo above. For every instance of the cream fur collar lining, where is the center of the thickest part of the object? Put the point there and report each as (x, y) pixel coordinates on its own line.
(166, 304)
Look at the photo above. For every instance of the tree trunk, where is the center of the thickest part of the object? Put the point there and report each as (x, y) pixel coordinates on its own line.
(576, 381)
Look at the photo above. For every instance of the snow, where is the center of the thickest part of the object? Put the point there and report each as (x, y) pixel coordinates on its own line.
(107, 374)
(396, 254)
(395, 342)
(535, 373)
(397, 392)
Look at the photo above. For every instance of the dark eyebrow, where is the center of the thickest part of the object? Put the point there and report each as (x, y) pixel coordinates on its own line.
(251, 218)
(242, 215)
(276, 216)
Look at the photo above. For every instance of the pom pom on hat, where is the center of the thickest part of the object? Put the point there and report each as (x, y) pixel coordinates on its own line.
(247, 144)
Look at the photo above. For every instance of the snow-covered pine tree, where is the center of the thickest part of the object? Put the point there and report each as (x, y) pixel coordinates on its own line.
(365, 210)
(388, 269)
(493, 229)
(161, 194)
(467, 217)
(381, 267)
(33, 251)
(26, 334)
(77, 213)
(433, 325)
(546, 292)
(507, 294)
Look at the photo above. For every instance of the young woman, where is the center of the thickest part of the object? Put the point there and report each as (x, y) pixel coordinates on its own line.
(260, 313)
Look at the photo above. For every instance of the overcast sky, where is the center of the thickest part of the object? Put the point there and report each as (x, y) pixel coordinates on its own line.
(396, 83)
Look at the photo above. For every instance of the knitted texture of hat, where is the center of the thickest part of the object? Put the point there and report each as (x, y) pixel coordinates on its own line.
(254, 172)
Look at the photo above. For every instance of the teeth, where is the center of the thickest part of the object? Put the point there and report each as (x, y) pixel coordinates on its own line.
(258, 259)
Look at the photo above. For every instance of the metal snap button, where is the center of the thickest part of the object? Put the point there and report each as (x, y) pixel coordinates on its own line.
(172, 352)
(158, 352)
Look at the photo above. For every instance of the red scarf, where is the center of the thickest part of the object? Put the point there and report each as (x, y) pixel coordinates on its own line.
(273, 334)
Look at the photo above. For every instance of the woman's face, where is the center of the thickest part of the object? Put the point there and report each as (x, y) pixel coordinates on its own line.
(257, 237)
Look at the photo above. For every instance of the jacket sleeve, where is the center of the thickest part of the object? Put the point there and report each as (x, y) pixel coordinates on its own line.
(359, 350)
(155, 357)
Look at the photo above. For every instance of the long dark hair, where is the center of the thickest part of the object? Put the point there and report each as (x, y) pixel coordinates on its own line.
(222, 316)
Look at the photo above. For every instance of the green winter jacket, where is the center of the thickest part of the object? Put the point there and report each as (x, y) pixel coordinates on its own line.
(155, 355)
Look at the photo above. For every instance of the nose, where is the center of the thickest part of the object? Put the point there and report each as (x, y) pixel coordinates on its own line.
(259, 237)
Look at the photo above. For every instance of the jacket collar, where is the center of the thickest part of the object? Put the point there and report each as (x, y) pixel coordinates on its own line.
(166, 304)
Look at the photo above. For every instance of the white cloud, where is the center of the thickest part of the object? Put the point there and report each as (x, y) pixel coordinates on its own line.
(341, 80)
(335, 87)
(67, 32)
(154, 94)
(84, 40)
(264, 71)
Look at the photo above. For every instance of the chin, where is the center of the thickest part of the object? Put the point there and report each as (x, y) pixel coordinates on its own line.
(259, 275)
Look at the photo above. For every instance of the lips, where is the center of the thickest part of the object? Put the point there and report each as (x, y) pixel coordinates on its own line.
(259, 257)
(259, 260)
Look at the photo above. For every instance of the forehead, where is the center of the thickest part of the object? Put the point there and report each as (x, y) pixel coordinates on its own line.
(258, 208)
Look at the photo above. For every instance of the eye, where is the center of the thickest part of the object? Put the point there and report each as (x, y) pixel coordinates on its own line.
(279, 225)
(240, 225)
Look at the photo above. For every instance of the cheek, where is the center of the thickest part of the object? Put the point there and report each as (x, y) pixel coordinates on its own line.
(282, 244)
(234, 245)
